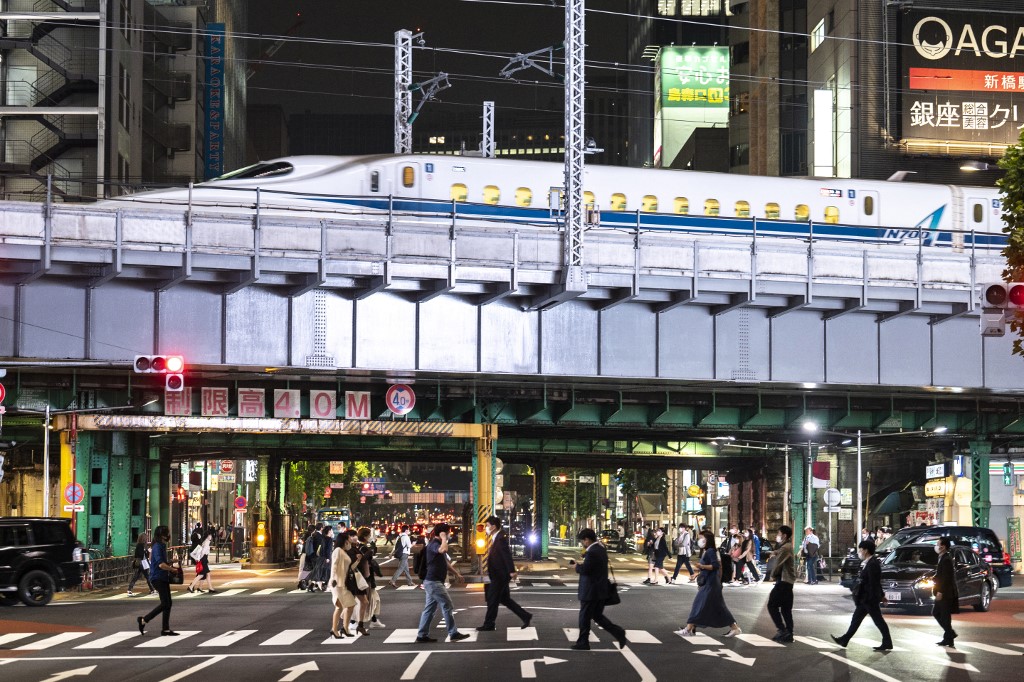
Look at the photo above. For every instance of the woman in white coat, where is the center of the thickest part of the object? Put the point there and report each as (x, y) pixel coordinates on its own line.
(344, 600)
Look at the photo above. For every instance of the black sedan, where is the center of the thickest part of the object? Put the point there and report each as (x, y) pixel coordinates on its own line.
(908, 575)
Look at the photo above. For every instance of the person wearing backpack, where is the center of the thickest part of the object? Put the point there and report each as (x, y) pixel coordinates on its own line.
(809, 551)
(403, 547)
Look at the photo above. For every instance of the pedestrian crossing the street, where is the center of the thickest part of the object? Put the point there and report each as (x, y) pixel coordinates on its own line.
(187, 640)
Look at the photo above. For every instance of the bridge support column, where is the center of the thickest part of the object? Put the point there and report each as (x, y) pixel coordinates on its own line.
(542, 503)
(159, 490)
(483, 479)
(797, 492)
(980, 500)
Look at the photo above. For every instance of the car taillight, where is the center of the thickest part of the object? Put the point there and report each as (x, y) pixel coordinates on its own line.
(1006, 558)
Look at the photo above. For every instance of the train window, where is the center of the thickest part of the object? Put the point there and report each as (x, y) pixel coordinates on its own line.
(711, 207)
(979, 213)
(803, 212)
(459, 192)
(259, 170)
(492, 195)
(742, 209)
(589, 199)
(375, 181)
(618, 201)
(832, 215)
(524, 197)
(869, 205)
(649, 204)
(408, 176)
(682, 205)
(772, 211)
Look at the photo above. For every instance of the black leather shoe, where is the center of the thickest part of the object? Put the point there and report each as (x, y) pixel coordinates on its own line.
(883, 647)
(142, 625)
(459, 636)
(526, 621)
(623, 642)
(485, 628)
(168, 633)
(839, 640)
(785, 638)
(580, 647)
(425, 640)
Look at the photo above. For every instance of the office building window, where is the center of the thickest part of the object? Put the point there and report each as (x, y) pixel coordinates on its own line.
(124, 87)
(124, 17)
(818, 35)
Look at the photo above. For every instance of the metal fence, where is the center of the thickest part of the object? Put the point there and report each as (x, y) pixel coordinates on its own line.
(118, 570)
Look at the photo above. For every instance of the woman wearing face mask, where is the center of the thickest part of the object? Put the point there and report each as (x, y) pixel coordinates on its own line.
(780, 600)
(752, 555)
(344, 600)
(709, 609)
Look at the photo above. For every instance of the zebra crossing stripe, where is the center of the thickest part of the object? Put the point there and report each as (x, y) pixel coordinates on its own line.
(700, 639)
(110, 640)
(573, 635)
(286, 637)
(270, 590)
(162, 642)
(991, 649)
(14, 637)
(815, 642)
(406, 587)
(402, 636)
(228, 638)
(228, 593)
(117, 596)
(52, 641)
(759, 641)
(641, 637)
(522, 634)
(346, 640)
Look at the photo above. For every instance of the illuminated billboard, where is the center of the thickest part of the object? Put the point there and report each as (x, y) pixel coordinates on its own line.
(963, 77)
(692, 85)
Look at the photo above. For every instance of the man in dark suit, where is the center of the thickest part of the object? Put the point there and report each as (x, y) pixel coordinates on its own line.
(868, 598)
(500, 570)
(947, 598)
(594, 590)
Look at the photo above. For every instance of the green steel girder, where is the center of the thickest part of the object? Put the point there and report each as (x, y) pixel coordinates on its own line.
(980, 500)
(798, 490)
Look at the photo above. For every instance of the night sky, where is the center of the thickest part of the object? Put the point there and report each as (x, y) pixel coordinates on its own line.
(308, 74)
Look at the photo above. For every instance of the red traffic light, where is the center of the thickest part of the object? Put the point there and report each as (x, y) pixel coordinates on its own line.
(1017, 295)
(159, 364)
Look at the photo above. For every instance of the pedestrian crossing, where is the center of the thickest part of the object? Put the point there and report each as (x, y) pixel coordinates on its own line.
(299, 637)
(281, 591)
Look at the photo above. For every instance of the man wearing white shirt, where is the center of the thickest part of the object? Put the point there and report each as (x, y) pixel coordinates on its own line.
(809, 550)
(403, 548)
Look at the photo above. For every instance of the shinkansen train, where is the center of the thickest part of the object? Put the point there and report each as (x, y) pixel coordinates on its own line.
(634, 198)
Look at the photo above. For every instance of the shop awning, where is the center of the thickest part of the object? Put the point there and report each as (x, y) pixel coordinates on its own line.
(893, 503)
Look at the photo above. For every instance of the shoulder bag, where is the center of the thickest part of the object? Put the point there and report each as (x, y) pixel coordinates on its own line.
(175, 576)
(360, 581)
(613, 590)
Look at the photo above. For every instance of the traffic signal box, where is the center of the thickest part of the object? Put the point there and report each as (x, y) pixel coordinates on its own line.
(1008, 473)
(261, 533)
(171, 366)
(996, 300)
(481, 539)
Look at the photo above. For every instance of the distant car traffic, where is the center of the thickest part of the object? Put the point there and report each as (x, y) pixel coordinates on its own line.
(982, 541)
(908, 574)
(38, 557)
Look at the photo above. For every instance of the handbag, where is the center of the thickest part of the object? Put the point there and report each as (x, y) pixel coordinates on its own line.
(613, 590)
(175, 576)
(702, 578)
(361, 583)
(736, 552)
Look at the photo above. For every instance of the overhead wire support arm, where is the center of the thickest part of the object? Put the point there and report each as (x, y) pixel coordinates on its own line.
(429, 89)
(521, 62)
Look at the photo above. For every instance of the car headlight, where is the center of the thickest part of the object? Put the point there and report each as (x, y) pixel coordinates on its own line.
(925, 583)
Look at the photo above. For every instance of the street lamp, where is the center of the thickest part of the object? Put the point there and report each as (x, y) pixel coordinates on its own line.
(47, 415)
(812, 427)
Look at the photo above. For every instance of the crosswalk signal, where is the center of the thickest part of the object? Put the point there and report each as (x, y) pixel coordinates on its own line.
(1008, 473)
(481, 538)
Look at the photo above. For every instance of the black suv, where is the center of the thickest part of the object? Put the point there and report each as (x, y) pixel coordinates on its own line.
(38, 557)
(982, 541)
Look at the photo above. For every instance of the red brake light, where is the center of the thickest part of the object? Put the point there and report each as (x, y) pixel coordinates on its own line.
(1006, 558)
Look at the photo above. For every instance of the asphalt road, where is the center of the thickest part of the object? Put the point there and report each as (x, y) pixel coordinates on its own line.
(258, 628)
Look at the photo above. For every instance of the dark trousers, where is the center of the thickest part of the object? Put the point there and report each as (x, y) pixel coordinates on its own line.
(140, 572)
(163, 588)
(752, 567)
(780, 605)
(680, 560)
(499, 594)
(594, 611)
(875, 611)
(944, 615)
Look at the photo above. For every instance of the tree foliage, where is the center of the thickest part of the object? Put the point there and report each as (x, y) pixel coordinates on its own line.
(312, 478)
(1012, 187)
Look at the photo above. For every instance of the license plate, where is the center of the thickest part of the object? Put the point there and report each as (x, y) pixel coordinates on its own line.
(893, 596)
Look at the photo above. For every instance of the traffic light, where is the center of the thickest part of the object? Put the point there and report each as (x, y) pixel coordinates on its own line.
(171, 366)
(481, 539)
(1007, 295)
(1008, 473)
(181, 494)
(261, 533)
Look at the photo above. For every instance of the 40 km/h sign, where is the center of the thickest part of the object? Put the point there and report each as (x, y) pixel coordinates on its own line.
(400, 399)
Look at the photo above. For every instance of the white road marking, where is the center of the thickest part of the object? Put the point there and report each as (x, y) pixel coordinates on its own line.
(700, 639)
(14, 637)
(52, 641)
(119, 596)
(645, 674)
(991, 649)
(346, 640)
(952, 664)
(228, 638)
(286, 637)
(758, 640)
(641, 637)
(414, 667)
(161, 642)
(228, 593)
(402, 636)
(816, 643)
(522, 634)
(859, 666)
(864, 641)
(270, 590)
(184, 674)
(406, 587)
(573, 635)
(110, 640)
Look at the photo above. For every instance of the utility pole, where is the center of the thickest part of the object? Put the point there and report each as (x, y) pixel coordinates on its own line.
(487, 144)
(574, 278)
(403, 90)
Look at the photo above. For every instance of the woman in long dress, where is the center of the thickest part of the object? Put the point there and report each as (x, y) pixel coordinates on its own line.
(709, 609)
(344, 601)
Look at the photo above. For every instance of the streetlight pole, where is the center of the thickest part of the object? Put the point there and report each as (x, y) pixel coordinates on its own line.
(860, 491)
(810, 484)
(46, 462)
